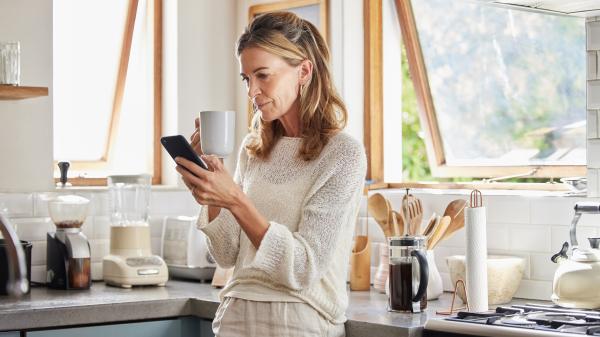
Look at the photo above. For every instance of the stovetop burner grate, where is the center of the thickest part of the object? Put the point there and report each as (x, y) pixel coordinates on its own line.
(538, 317)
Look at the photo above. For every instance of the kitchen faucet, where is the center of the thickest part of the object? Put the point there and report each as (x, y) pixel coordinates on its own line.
(17, 284)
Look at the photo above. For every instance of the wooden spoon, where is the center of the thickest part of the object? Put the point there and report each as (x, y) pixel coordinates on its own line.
(439, 232)
(455, 211)
(379, 207)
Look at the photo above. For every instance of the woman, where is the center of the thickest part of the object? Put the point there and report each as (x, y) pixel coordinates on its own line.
(285, 221)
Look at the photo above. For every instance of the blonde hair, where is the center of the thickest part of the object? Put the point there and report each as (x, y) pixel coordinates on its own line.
(322, 111)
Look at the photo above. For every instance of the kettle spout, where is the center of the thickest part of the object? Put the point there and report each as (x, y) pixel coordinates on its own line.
(561, 255)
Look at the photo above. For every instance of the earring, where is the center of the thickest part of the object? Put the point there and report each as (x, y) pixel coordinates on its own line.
(301, 89)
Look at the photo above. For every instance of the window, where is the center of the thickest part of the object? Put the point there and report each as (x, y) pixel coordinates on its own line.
(500, 91)
(107, 93)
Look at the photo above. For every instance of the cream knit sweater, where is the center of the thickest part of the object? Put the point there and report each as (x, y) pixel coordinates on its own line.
(311, 208)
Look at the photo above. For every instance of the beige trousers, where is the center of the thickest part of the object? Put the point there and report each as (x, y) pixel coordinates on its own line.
(238, 317)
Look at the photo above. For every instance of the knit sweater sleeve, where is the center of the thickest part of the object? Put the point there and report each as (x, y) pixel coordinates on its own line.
(223, 233)
(297, 260)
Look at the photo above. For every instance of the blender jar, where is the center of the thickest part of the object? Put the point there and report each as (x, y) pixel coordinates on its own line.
(129, 199)
(129, 207)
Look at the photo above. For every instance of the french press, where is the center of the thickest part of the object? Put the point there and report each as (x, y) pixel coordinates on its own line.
(409, 273)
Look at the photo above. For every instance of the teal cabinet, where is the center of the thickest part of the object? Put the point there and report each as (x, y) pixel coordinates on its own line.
(180, 327)
(10, 334)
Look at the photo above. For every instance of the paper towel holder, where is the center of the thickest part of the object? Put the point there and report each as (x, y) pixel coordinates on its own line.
(476, 199)
(452, 309)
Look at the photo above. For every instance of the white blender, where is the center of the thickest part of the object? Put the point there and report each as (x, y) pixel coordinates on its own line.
(131, 261)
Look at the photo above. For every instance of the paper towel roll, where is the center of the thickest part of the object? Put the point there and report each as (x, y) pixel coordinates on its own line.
(476, 259)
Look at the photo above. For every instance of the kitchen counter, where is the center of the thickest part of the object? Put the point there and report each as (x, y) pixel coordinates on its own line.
(43, 308)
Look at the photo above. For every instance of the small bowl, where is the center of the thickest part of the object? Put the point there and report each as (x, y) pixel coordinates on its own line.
(504, 276)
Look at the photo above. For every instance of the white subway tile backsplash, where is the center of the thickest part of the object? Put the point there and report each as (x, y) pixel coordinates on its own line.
(592, 65)
(362, 208)
(530, 238)
(375, 232)
(375, 253)
(593, 35)
(457, 239)
(592, 124)
(99, 249)
(560, 234)
(97, 271)
(552, 211)
(38, 253)
(16, 204)
(38, 274)
(593, 94)
(440, 254)
(593, 153)
(542, 268)
(532, 289)
(101, 227)
(173, 203)
(530, 227)
(88, 227)
(101, 204)
(156, 224)
(507, 209)
(155, 245)
(448, 286)
(33, 229)
(497, 236)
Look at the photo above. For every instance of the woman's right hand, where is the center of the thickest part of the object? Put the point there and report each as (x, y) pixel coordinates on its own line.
(213, 211)
(195, 138)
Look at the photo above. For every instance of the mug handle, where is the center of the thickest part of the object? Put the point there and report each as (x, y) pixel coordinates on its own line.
(423, 273)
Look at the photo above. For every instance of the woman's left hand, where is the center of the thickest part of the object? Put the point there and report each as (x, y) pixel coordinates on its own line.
(213, 188)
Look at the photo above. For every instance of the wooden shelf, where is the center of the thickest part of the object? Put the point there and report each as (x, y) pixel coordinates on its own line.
(11, 92)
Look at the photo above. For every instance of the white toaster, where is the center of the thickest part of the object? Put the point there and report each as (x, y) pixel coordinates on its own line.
(184, 249)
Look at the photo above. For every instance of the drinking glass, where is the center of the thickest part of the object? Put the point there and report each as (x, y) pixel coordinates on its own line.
(10, 63)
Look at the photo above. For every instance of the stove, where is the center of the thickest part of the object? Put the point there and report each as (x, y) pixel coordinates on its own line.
(528, 320)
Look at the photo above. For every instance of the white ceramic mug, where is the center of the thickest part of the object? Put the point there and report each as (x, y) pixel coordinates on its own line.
(217, 132)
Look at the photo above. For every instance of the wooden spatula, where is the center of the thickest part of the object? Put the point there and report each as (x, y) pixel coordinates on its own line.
(457, 217)
(439, 232)
(430, 224)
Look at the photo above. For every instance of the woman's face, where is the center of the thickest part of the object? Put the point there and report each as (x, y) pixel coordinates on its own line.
(273, 85)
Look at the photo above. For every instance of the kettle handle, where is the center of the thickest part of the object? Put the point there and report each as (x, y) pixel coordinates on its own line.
(423, 274)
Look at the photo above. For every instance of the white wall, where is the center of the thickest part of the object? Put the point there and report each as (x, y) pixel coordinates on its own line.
(205, 74)
(26, 125)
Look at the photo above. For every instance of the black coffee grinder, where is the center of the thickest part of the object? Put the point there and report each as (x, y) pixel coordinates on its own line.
(68, 250)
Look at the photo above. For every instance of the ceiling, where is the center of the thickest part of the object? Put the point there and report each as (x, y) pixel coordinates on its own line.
(581, 8)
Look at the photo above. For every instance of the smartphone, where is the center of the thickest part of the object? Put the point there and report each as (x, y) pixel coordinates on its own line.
(178, 146)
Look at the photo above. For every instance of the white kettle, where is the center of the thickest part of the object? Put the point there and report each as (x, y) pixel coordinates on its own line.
(577, 279)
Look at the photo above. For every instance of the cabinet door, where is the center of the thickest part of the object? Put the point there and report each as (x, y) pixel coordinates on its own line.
(165, 328)
(10, 334)
(181, 327)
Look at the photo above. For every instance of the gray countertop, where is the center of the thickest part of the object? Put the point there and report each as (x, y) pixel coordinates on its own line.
(44, 308)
